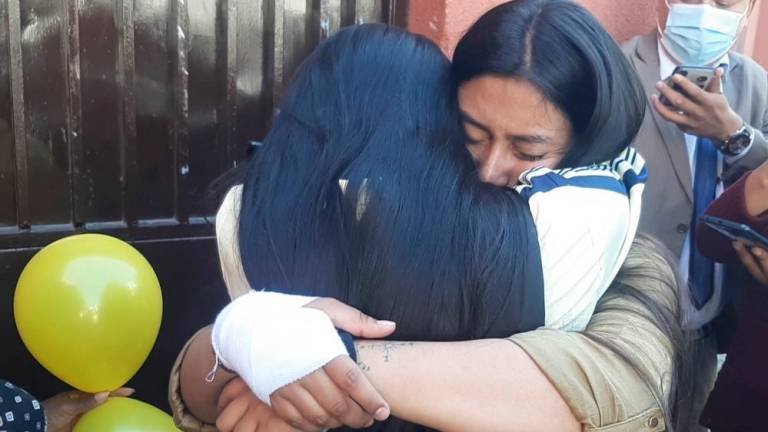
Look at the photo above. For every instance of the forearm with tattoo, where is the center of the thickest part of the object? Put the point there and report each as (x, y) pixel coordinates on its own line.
(384, 350)
(459, 386)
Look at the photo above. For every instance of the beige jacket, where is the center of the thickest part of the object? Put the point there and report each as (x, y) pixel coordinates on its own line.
(603, 391)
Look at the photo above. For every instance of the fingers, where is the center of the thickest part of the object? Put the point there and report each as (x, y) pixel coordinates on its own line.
(291, 415)
(760, 253)
(761, 258)
(335, 402)
(248, 423)
(716, 85)
(740, 249)
(689, 90)
(310, 408)
(350, 379)
(756, 265)
(100, 398)
(349, 319)
(79, 403)
(235, 388)
(678, 99)
(669, 114)
(231, 414)
(123, 392)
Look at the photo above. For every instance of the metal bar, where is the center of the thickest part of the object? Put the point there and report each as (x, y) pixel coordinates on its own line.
(229, 108)
(7, 158)
(44, 73)
(74, 109)
(296, 36)
(256, 68)
(397, 12)
(181, 108)
(155, 170)
(207, 83)
(367, 11)
(19, 111)
(127, 112)
(330, 18)
(278, 50)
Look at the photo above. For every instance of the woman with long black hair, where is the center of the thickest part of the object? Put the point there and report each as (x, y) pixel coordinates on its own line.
(399, 209)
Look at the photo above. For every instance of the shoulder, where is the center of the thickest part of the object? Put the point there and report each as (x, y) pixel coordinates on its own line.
(229, 210)
(640, 45)
(752, 72)
(629, 47)
(749, 64)
(618, 175)
(227, 242)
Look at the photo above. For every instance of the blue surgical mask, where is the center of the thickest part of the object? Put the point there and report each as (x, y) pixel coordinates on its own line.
(699, 35)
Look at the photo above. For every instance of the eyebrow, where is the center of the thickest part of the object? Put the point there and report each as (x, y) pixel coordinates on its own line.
(466, 118)
(531, 139)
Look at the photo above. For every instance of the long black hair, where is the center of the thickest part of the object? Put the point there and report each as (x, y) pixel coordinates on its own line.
(560, 48)
(363, 191)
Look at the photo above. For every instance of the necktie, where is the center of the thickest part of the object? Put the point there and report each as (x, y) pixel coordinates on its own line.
(701, 270)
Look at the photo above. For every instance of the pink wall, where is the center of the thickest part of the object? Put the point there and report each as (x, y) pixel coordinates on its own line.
(445, 21)
(758, 28)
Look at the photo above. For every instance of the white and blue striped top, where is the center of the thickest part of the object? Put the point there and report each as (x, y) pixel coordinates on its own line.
(586, 219)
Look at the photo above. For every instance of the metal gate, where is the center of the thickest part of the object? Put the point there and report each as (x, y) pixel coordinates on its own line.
(115, 117)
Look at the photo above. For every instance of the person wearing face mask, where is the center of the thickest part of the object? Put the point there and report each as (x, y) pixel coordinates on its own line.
(696, 141)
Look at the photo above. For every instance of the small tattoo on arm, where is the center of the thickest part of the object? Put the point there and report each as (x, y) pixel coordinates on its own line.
(363, 367)
(387, 349)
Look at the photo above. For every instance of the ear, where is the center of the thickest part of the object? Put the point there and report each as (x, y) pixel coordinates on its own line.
(662, 12)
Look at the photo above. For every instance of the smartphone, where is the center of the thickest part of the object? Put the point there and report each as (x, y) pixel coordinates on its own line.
(701, 76)
(736, 231)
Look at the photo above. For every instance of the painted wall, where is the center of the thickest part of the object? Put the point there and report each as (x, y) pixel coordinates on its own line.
(445, 21)
(757, 34)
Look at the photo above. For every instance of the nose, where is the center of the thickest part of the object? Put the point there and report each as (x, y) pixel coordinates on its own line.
(494, 166)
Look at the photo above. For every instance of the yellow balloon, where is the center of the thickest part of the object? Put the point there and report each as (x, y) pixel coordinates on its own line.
(125, 415)
(88, 308)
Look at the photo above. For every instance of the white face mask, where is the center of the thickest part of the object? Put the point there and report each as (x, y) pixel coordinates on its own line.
(699, 35)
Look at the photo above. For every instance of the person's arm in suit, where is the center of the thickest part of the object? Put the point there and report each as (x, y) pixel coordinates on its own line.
(756, 155)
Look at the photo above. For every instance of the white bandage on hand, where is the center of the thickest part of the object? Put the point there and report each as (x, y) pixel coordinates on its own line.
(270, 340)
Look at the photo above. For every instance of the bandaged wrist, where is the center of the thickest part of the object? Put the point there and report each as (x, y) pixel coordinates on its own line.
(271, 341)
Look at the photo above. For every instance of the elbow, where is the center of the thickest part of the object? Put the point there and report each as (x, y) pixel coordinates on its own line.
(197, 395)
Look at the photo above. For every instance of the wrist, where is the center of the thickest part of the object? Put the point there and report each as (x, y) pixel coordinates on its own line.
(730, 127)
(737, 142)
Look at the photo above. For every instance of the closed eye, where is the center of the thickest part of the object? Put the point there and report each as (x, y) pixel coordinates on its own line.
(531, 158)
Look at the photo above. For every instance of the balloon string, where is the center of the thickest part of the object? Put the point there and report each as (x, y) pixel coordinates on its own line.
(212, 374)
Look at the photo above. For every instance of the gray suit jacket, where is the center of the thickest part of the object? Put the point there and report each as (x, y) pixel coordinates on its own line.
(668, 197)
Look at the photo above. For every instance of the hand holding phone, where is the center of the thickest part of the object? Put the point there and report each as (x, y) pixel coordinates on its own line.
(736, 231)
(700, 76)
(699, 106)
(755, 260)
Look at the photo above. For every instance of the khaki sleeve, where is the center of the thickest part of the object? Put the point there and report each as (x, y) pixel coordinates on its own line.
(183, 419)
(237, 284)
(603, 390)
(226, 240)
